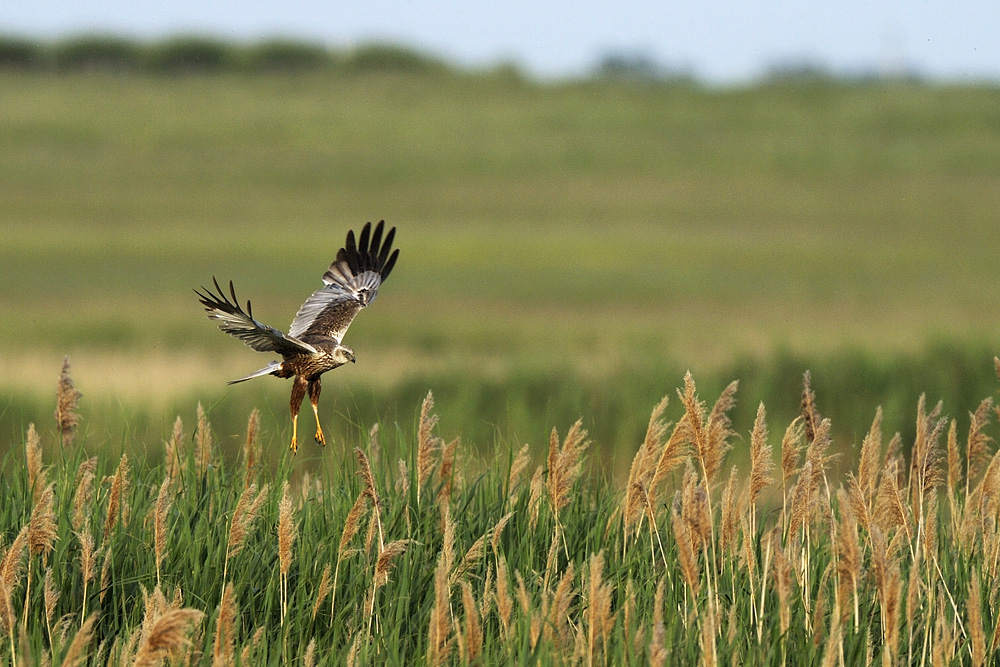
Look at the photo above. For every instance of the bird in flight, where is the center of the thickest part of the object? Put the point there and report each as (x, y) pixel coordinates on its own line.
(313, 344)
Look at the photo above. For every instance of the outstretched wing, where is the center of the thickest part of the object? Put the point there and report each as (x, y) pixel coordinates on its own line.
(352, 282)
(237, 322)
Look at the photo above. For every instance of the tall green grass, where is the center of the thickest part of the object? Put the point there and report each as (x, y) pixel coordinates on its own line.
(402, 549)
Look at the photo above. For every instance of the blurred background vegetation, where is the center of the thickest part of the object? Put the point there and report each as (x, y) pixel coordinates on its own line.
(568, 248)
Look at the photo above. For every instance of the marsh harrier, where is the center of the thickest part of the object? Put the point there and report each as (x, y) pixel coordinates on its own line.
(313, 344)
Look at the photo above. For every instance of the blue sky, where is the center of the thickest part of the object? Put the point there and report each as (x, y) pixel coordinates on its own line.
(721, 41)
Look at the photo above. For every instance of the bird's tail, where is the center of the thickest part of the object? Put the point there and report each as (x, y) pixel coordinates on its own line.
(270, 369)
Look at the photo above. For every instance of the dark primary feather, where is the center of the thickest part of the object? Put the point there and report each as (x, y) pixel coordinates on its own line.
(384, 259)
(352, 282)
(241, 324)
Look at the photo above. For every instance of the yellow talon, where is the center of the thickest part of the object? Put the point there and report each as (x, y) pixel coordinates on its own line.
(319, 430)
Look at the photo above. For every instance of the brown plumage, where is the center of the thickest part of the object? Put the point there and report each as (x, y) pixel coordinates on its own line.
(312, 345)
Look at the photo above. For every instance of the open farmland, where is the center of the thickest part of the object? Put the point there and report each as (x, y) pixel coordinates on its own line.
(567, 249)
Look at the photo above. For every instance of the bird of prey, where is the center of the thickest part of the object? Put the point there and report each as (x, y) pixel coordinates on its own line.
(313, 344)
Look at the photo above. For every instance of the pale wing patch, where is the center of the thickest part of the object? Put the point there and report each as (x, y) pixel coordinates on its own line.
(340, 300)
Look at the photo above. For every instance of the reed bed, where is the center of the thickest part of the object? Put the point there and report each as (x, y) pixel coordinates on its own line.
(412, 553)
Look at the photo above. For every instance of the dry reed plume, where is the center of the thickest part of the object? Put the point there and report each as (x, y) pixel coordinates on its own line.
(116, 509)
(383, 567)
(516, 472)
(427, 443)
(656, 458)
(250, 446)
(173, 457)
(168, 637)
(287, 532)
(224, 645)
(163, 502)
(351, 525)
(33, 462)
(203, 443)
(240, 525)
(67, 397)
(565, 465)
(76, 654)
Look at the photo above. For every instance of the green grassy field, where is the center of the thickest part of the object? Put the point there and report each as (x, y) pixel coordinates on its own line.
(568, 249)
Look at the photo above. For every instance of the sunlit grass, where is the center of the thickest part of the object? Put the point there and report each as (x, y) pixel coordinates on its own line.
(560, 244)
(863, 212)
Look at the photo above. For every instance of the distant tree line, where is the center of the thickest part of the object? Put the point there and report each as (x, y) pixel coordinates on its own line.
(194, 54)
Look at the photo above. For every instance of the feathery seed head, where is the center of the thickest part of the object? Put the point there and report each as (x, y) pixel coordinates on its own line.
(954, 459)
(871, 452)
(168, 637)
(76, 654)
(402, 479)
(810, 415)
(50, 594)
(446, 473)
(87, 555)
(244, 514)
(172, 450)
(365, 472)
(33, 462)
(440, 626)
(761, 463)
(164, 500)
(287, 530)
(978, 443)
(203, 442)
(657, 646)
(42, 527)
(224, 645)
(386, 560)
(427, 443)
(505, 604)
(517, 468)
(472, 637)
(975, 621)
(325, 586)
(565, 464)
(498, 531)
(730, 514)
(84, 493)
(791, 446)
(119, 486)
(535, 496)
(353, 522)
(642, 476)
(250, 444)
(685, 547)
(67, 397)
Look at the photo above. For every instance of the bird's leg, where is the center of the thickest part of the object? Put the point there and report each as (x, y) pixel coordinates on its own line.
(314, 389)
(298, 392)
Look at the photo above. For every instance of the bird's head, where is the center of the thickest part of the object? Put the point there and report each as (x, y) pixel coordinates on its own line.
(343, 354)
